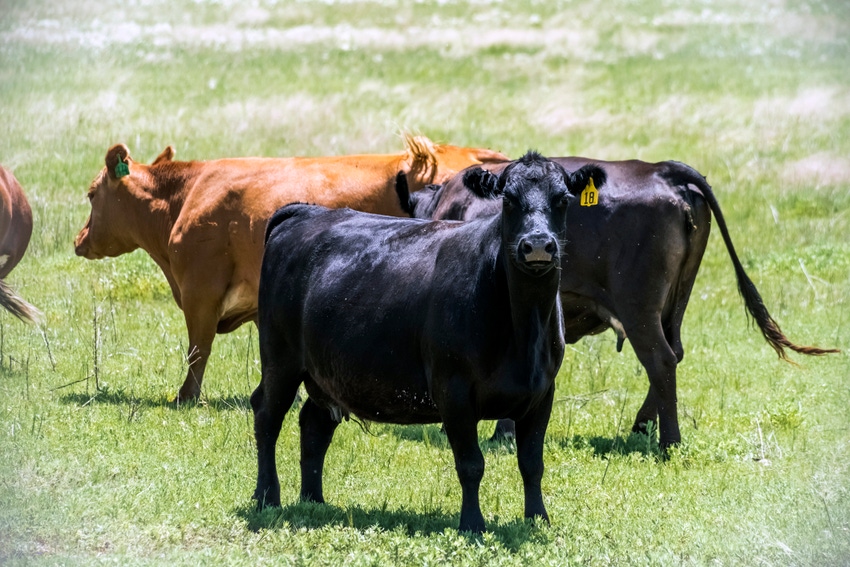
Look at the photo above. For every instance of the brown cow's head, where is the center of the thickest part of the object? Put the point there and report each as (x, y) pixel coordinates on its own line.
(436, 163)
(108, 229)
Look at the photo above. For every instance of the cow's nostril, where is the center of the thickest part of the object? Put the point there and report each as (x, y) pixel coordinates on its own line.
(550, 247)
(526, 247)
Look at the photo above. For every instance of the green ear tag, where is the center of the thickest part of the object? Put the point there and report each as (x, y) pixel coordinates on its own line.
(589, 197)
(121, 169)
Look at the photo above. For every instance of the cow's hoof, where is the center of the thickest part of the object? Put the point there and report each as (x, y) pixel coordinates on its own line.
(472, 529)
(310, 497)
(264, 500)
(184, 399)
(644, 428)
(664, 445)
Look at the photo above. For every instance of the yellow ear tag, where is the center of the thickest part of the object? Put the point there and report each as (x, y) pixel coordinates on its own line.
(589, 197)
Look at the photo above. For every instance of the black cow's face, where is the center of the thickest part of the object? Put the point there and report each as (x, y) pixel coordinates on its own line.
(535, 195)
(534, 214)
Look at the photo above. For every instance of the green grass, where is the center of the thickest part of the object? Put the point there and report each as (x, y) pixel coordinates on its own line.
(98, 467)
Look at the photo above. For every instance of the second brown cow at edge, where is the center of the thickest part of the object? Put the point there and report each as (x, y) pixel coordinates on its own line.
(203, 222)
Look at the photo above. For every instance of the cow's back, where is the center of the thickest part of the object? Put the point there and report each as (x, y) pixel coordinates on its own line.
(649, 219)
(262, 185)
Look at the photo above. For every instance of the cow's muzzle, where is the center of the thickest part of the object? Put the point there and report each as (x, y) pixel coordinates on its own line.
(81, 245)
(538, 252)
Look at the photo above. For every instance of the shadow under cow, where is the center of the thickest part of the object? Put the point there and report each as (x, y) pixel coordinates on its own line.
(310, 515)
(121, 397)
(603, 447)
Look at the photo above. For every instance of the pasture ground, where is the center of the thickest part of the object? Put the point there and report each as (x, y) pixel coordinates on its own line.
(98, 467)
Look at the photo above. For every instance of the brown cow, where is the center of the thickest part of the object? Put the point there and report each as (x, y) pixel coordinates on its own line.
(15, 232)
(203, 222)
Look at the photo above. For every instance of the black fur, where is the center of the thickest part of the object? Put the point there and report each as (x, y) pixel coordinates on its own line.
(407, 321)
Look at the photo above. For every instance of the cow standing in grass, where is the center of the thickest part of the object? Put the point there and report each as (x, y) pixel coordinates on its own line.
(631, 257)
(203, 222)
(407, 321)
(15, 232)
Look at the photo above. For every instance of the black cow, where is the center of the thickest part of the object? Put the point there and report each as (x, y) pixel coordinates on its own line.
(407, 321)
(630, 260)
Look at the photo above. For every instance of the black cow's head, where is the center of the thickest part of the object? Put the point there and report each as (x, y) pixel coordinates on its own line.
(422, 203)
(535, 194)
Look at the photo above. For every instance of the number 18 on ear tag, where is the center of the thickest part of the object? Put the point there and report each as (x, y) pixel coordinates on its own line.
(589, 197)
(122, 169)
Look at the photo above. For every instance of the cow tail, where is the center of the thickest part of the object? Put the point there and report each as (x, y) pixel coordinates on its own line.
(752, 299)
(16, 305)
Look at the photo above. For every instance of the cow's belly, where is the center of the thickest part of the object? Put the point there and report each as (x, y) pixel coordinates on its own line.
(238, 299)
(583, 316)
(238, 306)
(373, 398)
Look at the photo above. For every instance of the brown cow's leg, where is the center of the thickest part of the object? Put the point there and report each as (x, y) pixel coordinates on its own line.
(197, 359)
(201, 321)
(317, 430)
(530, 433)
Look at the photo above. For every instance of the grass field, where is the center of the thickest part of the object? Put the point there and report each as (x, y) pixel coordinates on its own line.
(98, 467)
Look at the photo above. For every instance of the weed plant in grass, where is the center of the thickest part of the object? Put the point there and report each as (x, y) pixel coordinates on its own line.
(98, 467)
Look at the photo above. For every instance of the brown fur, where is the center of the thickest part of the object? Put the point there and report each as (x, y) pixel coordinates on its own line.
(15, 232)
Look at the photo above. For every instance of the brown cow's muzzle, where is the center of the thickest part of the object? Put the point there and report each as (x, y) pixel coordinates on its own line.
(81, 244)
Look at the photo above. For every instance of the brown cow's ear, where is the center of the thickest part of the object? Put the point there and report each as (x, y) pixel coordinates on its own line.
(166, 155)
(116, 154)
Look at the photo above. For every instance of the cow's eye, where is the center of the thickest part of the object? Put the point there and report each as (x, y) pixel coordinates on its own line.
(91, 196)
(507, 202)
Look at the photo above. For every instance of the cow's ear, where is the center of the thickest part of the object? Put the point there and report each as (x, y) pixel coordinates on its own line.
(166, 155)
(482, 182)
(117, 155)
(402, 191)
(579, 179)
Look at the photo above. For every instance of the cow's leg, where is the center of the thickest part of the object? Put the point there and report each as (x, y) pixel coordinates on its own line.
(201, 336)
(317, 430)
(201, 311)
(648, 413)
(656, 355)
(462, 432)
(505, 431)
(270, 402)
(530, 433)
